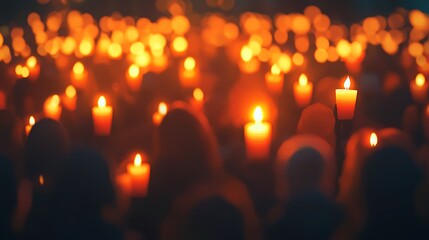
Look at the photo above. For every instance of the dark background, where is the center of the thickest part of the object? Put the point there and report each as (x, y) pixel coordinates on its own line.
(346, 11)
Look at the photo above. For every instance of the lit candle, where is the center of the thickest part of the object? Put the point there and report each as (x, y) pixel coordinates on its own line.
(33, 67)
(198, 98)
(159, 64)
(419, 88)
(274, 80)
(2, 100)
(303, 91)
(69, 98)
(79, 75)
(179, 46)
(189, 73)
(52, 107)
(134, 77)
(159, 115)
(373, 140)
(140, 174)
(31, 122)
(346, 101)
(102, 117)
(257, 136)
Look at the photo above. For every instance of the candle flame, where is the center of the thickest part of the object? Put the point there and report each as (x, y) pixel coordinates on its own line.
(101, 101)
(133, 71)
(70, 91)
(162, 108)
(41, 180)
(138, 160)
(189, 63)
(373, 139)
(198, 94)
(55, 100)
(420, 80)
(275, 70)
(78, 68)
(246, 53)
(347, 83)
(258, 114)
(31, 121)
(31, 62)
(303, 80)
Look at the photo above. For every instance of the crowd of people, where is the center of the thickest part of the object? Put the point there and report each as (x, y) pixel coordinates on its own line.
(51, 189)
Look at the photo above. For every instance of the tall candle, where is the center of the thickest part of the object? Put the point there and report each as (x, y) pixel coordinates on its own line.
(419, 88)
(31, 122)
(134, 77)
(257, 136)
(189, 73)
(69, 98)
(79, 75)
(346, 101)
(140, 174)
(52, 107)
(2, 100)
(33, 68)
(159, 115)
(303, 91)
(102, 117)
(274, 80)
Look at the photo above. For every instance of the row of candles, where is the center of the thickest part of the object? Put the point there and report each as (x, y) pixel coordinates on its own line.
(102, 113)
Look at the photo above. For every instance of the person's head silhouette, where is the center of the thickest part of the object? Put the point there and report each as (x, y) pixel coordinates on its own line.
(47, 145)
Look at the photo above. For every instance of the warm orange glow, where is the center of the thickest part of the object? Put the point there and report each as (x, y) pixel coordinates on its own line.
(138, 160)
(303, 80)
(246, 54)
(373, 140)
(284, 62)
(85, 47)
(78, 68)
(31, 62)
(343, 48)
(162, 108)
(31, 121)
(180, 44)
(70, 91)
(275, 70)
(101, 102)
(114, 50)
(41, 180)
(420, 80)
(258, 114)
(133, 71)
(189, 63)
(137, 48)
(198, 94)
(55, 100)
(347, 83)
(18, 70)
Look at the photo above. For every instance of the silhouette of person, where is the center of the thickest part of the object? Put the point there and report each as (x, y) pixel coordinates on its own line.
(8, 200)
(81, 195)
(390, 179)
(305, 208)
(47, 146)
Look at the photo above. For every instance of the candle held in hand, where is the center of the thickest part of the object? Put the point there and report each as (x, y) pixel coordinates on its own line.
(134, 77)
(102, 117)
(274, 80)
(419, 89)
(257, 136)
(346, 101)
(303, 91)
(140, 174)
